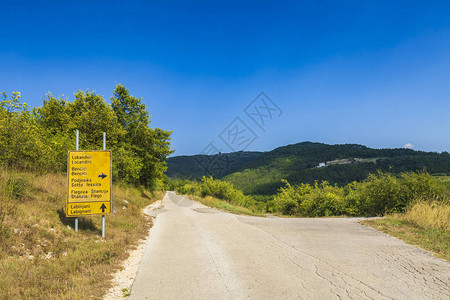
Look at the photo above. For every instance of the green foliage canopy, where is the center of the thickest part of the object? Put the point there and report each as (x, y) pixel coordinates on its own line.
(40, 139)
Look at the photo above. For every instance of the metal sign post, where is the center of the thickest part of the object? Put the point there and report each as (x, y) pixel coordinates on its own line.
(103, 216)
(76, 148)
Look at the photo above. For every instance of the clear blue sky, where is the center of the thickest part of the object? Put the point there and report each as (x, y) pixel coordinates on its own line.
(369, 72)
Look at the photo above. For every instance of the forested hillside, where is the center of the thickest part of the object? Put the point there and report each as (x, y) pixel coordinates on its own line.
(260, 173)
(218, 165)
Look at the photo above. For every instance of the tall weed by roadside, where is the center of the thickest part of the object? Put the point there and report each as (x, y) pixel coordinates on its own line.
(429, 214)
(13, 188)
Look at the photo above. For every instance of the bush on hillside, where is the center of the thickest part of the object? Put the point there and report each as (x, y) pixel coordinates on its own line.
(377, 195)
(309, 200)
(215, 188)
(383, 193)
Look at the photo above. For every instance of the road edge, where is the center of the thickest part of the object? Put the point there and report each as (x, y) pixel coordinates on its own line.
(124, 278)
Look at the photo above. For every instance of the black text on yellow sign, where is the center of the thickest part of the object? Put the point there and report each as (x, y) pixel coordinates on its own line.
(89, 208)
(89, 183)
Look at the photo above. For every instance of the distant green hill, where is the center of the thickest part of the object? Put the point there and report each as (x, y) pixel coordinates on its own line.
(260, 173)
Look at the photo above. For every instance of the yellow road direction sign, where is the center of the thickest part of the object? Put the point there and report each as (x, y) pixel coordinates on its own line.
(89, 183)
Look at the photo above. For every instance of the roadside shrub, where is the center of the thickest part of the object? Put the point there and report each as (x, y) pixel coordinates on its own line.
(422, 185)
(325, 200)
(309, 200)
(126, 165)
(215, 188)
(225, 191)
(383, 193)
(289, 198)
(191, 188)
(184, 186)
(22, 141)
(378, 194)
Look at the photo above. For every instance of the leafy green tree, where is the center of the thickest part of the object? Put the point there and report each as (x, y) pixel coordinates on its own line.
(53, 115)
(40, 140)
(127, 165)
(131, 113)
(57, 126)
(23, 143)
(152, 146)
(92, 116)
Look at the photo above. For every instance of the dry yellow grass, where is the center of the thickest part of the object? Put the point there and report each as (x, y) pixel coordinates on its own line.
(425, 224)
(41, 257)
(434, 215)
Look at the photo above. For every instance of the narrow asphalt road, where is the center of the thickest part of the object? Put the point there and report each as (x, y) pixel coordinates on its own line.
(195, 252)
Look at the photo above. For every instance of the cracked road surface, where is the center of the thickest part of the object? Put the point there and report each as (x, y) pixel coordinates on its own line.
(195, 252)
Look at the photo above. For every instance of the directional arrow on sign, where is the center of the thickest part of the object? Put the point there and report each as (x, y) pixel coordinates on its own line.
(102, 176)
(103, 207)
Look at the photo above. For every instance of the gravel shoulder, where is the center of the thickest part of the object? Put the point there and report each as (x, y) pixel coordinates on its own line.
(124, 278)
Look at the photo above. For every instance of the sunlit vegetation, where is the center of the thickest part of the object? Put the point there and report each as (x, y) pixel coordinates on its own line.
(377, 195)
(261, 173)
(425, 224)
(218, 189)
(416, 205)
(38, 139)
(41, 256)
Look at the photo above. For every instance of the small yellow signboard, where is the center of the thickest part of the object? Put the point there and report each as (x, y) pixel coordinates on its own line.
(89, 182)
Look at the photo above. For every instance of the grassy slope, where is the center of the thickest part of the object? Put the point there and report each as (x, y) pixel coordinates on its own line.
(42, 256)
(427, 238)
(423, 225)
